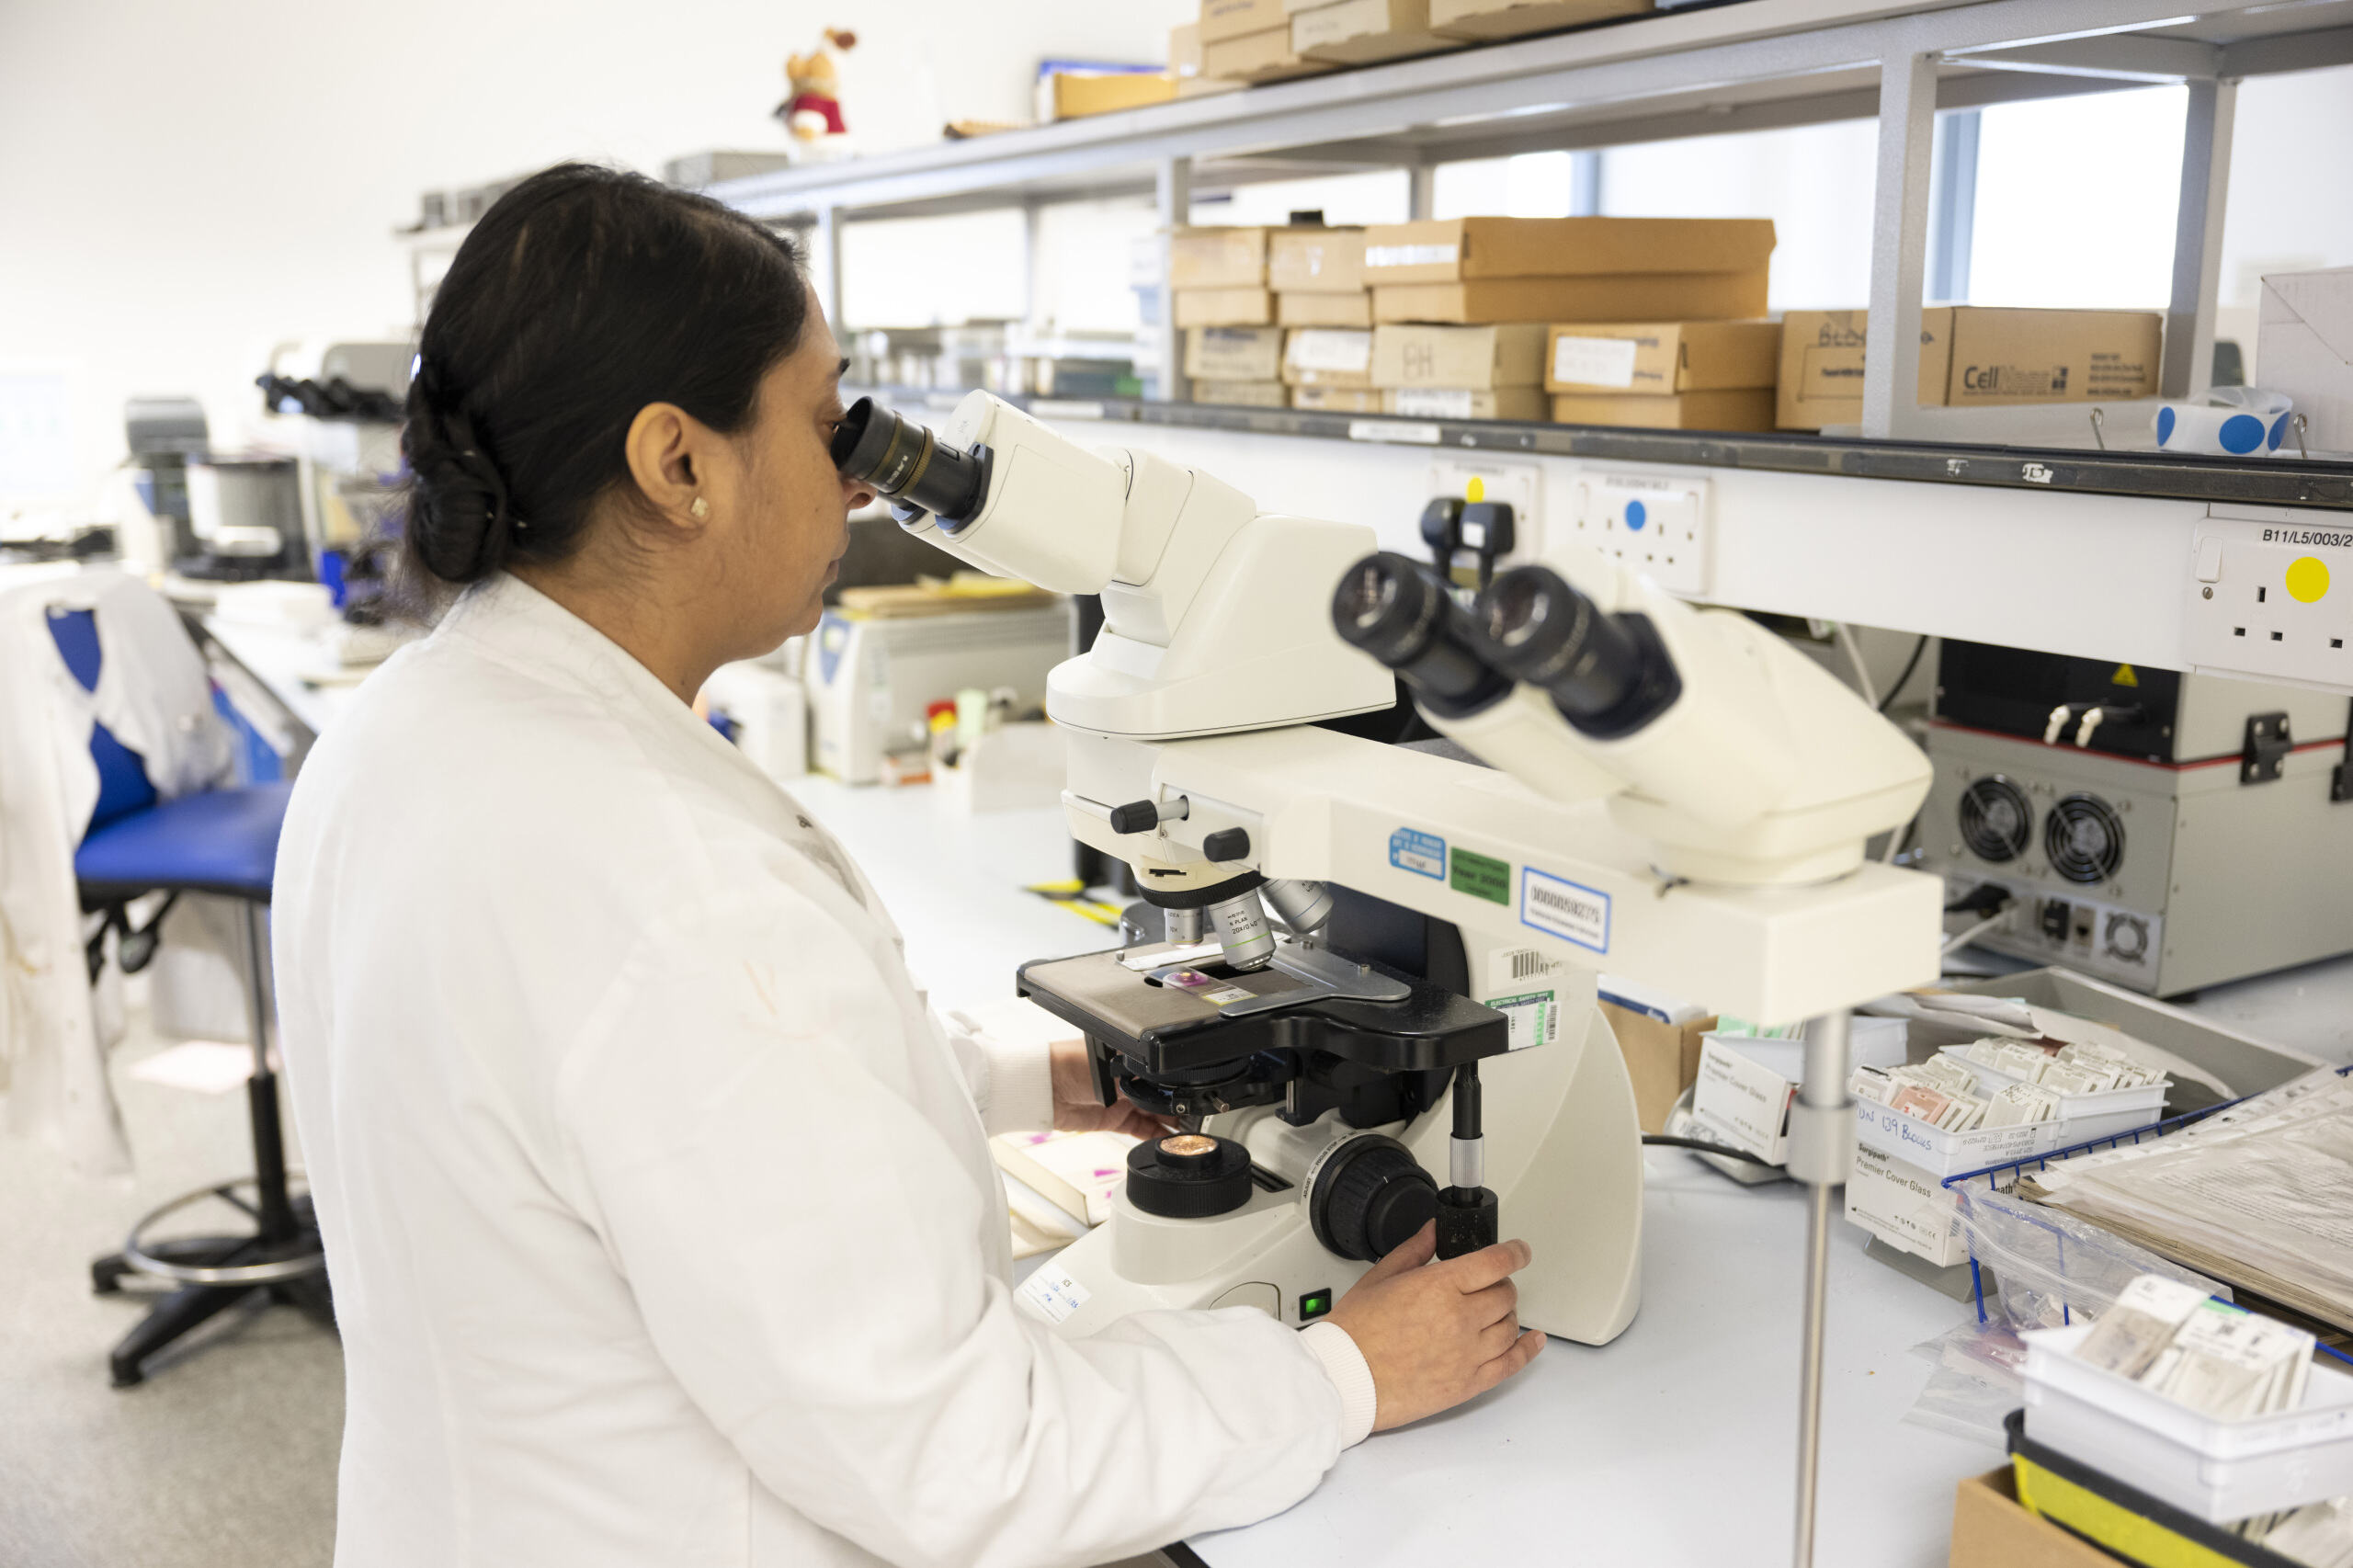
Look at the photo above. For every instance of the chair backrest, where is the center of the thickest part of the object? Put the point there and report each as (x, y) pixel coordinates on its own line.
(123, 786)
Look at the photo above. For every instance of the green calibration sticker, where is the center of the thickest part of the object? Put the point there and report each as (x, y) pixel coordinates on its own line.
(1482, 876)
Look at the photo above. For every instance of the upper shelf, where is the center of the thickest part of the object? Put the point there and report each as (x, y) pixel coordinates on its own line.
(1747, 65)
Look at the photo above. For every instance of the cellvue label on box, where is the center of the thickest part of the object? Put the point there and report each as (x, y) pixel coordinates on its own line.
(1424, 854)
(1482, 876)
(1561, 908)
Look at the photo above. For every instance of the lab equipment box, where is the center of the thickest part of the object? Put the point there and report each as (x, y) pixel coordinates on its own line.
(1217, 259)
(1345, 311)
(1233, 19)
(1610, 296)
(1329, 356)
(1481, 357)
(1453, 250)
(1483, 20)
(1906, 1207)
(1224, 307)
(1364, 32)
(1233, 353)
(1258, 57)
(1242, 395)
(1741, 410)
(1336, 400)
(871, 679)
(1526, 403)
(1310, 261)
(1662, 358)
(1972, 356)
(1991, 1529)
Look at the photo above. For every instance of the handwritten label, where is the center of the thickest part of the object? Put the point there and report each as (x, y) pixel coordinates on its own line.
(1594, 361)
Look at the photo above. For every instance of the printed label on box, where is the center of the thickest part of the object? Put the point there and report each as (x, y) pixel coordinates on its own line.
(1482, 876)
(1535, 1017)
(1435, 402)
(1594, 361)
(1329, 348)
(1561, 908)
(1424, 854)
(1743, 1098)
(1388, 430)
(1054, 1293)
(1409, 255)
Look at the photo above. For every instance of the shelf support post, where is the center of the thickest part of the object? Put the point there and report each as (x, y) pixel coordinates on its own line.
(1174, 187)
(2197, 239)
(1421, 192)
(1907, 118)
(826, 242)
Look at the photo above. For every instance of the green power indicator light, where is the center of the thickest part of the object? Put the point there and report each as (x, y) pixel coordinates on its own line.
(1314, 1304)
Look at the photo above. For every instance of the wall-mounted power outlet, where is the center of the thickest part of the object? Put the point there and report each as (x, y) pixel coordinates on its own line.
(1522, 484)
(2273, 599)
(1659, 526)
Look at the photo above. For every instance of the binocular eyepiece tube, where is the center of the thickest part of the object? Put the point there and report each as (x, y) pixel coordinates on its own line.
(909, 466)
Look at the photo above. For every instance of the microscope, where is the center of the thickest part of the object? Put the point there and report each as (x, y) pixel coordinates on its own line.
(1623, 781)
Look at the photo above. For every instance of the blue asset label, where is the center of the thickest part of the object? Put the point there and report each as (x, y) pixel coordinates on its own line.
(1421, 853)
(1561, 908)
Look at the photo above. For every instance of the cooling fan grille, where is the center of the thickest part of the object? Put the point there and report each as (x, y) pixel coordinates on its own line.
(1996, 820)
(2085, 839)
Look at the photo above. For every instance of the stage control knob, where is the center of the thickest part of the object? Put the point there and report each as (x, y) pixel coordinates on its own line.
(1368, 1197)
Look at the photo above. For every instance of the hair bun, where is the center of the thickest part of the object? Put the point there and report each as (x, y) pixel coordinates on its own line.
(459, 516)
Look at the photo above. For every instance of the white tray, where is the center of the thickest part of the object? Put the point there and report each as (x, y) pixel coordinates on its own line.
(2146, 1099)
(1943, 1153)
(2219, 1470)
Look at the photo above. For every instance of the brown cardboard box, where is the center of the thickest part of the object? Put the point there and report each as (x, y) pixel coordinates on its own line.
(1336, 400)
(1217, 259)
(1662, 357)
(1202, 86)
(2010, 357)
(1465, 403)
(1453, 250)
(1078, 95)
(1244, 394)
(1185, 49)
(1224, 307)
(1991, 1529)
(1315, 261)
(1329, 356)
(1509, 355)
(1745, 409)
(1257, 57)
(1821, 366)
(1480, 19)
(1325, 310)
(1662, 1058)
(1363, 32)
(1233, 353)
(1637, 297)
(1233, 18)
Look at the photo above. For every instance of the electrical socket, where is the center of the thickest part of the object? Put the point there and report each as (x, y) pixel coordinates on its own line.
(1659, 526)
(2272, 599)
(1522, 484)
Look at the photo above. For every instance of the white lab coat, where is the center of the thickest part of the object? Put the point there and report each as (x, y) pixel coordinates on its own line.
(153, 694)
(661, 1224)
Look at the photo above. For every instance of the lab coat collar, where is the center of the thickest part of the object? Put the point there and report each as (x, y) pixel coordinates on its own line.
(524, 626)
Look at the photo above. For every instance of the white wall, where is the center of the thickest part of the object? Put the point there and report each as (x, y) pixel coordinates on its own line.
(182, 185)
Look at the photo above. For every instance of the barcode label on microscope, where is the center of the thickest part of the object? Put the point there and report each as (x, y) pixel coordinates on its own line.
(1561, 908)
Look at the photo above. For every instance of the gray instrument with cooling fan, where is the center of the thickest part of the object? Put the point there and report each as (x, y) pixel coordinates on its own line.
(2165, 831)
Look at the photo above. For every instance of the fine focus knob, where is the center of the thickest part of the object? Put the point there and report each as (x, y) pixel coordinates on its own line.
(1370, 1197)
(1226, 844)
(1188, 1176)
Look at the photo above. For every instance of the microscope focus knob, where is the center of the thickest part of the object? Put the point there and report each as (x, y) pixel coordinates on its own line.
(1188, 1176)
(1368, 1197)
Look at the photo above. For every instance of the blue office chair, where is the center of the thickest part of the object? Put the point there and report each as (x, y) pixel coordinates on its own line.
(223, 842)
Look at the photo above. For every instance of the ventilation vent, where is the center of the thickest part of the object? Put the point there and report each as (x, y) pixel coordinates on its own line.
(2085, 839)
(1995, 821)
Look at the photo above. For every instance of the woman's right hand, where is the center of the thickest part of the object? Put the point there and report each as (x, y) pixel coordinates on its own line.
(1436, 1334)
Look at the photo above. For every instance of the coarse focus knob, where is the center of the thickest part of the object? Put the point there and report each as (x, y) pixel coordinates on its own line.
(1226, 844)
(1368, 1196)
(1136, 816)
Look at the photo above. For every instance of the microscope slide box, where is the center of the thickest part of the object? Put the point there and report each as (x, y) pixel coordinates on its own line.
(1746, 1081)
(1906, 1207)
(2146, 1101)
(1943, 1153)
(2219, 1470)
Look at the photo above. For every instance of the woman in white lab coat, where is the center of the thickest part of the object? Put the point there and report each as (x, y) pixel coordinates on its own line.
(658, 1210)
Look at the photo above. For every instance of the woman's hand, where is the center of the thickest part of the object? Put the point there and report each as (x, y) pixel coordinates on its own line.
(1078, 1108)
(1436, 1333)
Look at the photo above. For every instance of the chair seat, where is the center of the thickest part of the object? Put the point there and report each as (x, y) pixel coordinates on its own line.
(223, 841)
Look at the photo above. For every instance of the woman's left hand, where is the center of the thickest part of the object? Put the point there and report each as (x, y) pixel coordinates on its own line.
(1078, 1108)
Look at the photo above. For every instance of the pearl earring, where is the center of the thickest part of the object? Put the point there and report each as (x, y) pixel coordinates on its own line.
(701, 508)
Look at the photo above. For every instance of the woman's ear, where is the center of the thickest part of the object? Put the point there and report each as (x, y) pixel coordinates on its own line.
(669, 450)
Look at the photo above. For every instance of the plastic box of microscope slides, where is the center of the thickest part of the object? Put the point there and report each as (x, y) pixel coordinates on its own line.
(1943, 1153)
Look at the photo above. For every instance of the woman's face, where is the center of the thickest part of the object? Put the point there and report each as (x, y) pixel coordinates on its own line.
(787, 513)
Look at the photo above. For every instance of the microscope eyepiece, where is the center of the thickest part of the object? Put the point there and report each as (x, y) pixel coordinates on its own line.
(1608, 675)
(909, 466)
(1399, 611)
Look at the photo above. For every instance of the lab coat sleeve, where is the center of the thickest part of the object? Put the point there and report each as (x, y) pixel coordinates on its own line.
(1011, 1079)
(746, 1131)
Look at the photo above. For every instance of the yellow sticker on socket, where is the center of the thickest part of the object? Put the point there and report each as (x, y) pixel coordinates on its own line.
(2308, 580)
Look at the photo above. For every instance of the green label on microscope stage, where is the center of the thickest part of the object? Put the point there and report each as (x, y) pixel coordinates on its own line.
(1482, 876)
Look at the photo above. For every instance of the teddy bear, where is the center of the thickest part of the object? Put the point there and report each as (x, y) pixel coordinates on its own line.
(813, 111)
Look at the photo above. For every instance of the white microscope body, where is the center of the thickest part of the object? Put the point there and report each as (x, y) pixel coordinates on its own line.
(1714, 848)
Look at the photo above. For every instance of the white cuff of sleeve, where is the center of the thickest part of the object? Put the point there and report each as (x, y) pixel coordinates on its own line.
(1021, 1085)
(1330, 1344)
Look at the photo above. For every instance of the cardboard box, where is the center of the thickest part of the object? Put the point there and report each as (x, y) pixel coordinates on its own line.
(1364, 32)
(1071, 95)
(2304, 347)
(1821, 366)
(1315, 261)
(1743, 1101)
(2012, 357)
(1325, 310)
(1233, 353)
(1483, 19)
(1636, 297)
(1454, 250)
(1233, 19)
(1203, 87)
(1224, 307)
(1661, 1058)
(1329, 356)
(1906, 1207)
(1246, 394)
(1662, 357)
(1217, 259)
(1336, 400)
(1465, 403)
(1509, 355)
(1745, 409)
(1257, 57)
(1991, 1529)
(1185, 49)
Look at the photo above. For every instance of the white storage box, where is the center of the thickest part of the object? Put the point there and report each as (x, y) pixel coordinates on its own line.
(1745, 1082)
(2220, 1471)
(1943, 1153)
(1906, 1207)
(2146, 1101)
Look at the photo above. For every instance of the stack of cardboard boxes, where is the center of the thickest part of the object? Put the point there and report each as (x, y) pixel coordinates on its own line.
(1321, 301)
(1972, 356)
(1240, 43)
(1275, 316)
(1217, 279)
(1248, 41)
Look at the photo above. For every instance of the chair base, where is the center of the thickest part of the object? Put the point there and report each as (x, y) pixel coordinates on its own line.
(294, 1270)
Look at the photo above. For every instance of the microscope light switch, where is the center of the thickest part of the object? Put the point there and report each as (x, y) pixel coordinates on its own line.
(1314, 1304)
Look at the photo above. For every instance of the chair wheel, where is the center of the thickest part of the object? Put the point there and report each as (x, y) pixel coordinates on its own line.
(136, 949)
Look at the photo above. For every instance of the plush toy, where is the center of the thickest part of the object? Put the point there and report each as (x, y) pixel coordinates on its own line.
(813, 111)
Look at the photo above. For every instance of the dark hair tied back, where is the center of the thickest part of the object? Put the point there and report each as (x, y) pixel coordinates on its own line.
(582, 295)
